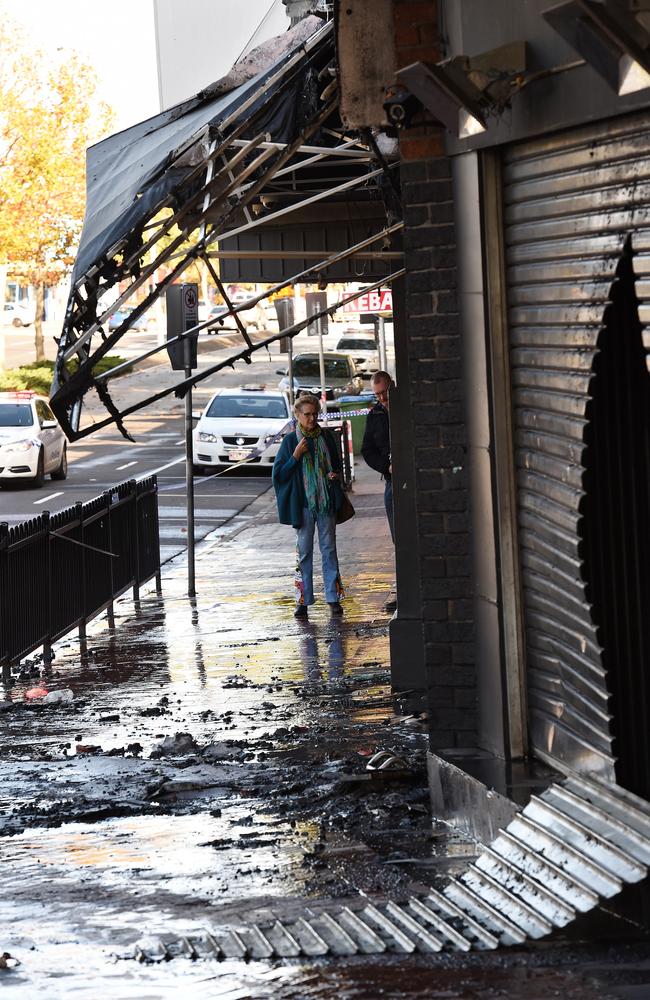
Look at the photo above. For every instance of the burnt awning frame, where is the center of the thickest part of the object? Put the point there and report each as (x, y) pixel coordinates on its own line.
(230, 174)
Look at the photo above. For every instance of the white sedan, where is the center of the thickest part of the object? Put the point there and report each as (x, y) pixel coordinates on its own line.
(363, 349)
(22, 313)
(241, 425)
(32, 445)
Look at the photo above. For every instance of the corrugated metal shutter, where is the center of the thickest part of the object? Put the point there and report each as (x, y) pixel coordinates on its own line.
(571, 202)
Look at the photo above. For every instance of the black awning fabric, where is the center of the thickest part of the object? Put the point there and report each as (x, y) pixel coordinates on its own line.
(130, 172)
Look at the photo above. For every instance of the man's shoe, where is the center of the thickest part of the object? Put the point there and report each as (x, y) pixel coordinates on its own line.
(390, 605)
(335, 608)
(301, 611)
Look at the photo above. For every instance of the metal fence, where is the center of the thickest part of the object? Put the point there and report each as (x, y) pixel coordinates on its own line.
(59, 571)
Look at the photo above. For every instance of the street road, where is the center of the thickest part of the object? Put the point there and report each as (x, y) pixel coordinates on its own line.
(105, 458)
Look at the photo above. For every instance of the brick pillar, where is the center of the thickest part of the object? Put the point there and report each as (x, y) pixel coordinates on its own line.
(432, 410)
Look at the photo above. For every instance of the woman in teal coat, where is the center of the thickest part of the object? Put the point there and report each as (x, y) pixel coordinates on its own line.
(307, 482)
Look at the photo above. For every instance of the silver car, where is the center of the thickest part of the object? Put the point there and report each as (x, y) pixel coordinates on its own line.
(341, 376)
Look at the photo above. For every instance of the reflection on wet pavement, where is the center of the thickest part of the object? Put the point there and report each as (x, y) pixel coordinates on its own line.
(212, 763)
(202, 761)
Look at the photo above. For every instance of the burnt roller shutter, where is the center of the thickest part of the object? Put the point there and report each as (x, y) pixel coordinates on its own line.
(577, 234)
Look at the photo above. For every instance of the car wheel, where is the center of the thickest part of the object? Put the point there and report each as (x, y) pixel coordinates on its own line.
(198, 470)
(62, 471)
(40, 471)
(17, 322)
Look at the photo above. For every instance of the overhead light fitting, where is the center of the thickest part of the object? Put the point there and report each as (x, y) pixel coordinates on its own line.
(448, 94)
(613, 43)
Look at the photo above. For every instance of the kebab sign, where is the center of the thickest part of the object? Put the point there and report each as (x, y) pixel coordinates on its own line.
(378, 301)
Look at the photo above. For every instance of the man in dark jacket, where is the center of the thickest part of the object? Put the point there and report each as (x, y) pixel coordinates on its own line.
(376, 440)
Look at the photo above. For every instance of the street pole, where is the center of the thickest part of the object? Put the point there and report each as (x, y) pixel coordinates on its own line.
(182, 315)
(321, 364)
(381, 330)
(290, 371)
(189, 477)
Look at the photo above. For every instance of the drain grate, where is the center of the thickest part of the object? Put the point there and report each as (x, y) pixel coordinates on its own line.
(576, 842)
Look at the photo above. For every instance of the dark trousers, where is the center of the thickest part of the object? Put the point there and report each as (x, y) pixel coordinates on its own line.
(388, 504)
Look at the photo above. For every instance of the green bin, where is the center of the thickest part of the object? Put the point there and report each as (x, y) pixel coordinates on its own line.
(353, 405)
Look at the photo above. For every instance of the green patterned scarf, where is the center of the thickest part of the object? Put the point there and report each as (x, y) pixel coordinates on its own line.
(316, 466)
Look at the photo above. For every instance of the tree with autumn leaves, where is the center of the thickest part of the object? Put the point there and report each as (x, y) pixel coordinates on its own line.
(49, 114)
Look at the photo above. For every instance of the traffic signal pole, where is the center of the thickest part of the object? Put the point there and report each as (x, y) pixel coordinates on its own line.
(189, 480)
(182, 315)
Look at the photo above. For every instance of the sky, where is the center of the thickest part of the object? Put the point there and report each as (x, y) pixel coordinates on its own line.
(116, 38)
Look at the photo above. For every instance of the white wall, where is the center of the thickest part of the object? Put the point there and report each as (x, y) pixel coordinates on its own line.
(197, 41)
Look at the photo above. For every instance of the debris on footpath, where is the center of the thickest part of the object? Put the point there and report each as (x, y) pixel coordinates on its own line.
(219, 782)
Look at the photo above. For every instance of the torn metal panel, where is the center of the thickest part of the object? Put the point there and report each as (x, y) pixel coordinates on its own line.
(521, 887)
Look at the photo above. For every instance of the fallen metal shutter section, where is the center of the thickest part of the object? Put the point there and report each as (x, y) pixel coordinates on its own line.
(577, 842)
(571, 201)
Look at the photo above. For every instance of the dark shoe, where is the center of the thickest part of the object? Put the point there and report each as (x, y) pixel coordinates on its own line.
(335, 608)
(301, 611)
(390, 605)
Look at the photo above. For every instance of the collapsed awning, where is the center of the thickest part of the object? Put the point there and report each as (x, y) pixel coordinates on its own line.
(263, 142)
(133, 172)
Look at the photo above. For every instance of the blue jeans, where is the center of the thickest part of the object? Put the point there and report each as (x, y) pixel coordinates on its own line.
(388, 504)
(305, 557)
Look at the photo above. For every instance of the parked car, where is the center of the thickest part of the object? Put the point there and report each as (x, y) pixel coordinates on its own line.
(121, 315)
(19, 313)
(239, 425)
(341, 376)
(252, 319)
(32, 445)
(218, 318)
(363, 348)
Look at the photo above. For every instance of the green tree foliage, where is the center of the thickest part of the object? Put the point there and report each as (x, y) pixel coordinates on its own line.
(49, 114)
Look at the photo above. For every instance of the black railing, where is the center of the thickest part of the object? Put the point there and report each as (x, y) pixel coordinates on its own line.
(59, 571)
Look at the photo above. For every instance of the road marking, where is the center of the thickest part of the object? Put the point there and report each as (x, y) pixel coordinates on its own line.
(154, 472)
(180, 513)
(50, 497)
(209, 496)
(127, 465)
(92, 463)
(168, 530)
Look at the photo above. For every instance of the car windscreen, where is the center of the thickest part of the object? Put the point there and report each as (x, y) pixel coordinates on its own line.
(16, 415)
(355, 345)
(309, 368)
(264, 407)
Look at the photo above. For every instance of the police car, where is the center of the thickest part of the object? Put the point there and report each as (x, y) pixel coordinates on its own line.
(240, 425)
(32, 445)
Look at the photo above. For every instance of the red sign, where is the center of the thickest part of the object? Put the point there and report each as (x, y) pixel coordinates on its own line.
(379, 301)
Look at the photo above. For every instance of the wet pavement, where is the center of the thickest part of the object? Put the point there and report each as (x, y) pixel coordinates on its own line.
(211, 766)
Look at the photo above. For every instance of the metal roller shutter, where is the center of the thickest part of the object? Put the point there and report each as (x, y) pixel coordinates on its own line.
(577, 207)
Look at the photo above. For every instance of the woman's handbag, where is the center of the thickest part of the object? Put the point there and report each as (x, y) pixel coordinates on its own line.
(345, 511)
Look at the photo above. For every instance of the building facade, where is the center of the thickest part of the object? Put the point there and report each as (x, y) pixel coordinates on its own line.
(521, 421)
